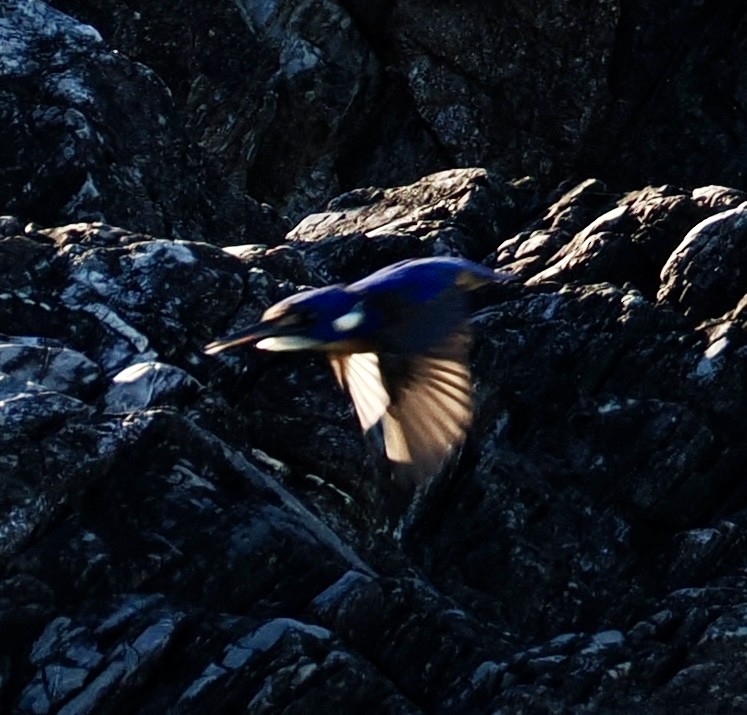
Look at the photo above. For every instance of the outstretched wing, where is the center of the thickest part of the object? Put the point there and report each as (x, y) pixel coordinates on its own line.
(419, 386)
(430, 407)
(359, 374)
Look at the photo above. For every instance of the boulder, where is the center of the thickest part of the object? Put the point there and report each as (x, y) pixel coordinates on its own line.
(193, 533)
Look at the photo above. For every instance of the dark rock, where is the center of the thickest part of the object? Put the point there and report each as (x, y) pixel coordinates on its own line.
(45, 442)
(429, 653)
(694, 278)
(294, 656)
(677, 123)
(287, 102)
(184, 532)
(401, 90)
(53, 367)
(630, 242)
(529, 251)
(10, 226)
(497, 119)
(601, 475)
(126, 284)
(98, 139)
(459, 212)
(274, 100)
(74, 673)
(150, 384)
(29, 408)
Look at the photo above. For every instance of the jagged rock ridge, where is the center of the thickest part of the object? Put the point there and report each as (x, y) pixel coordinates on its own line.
(179, 532)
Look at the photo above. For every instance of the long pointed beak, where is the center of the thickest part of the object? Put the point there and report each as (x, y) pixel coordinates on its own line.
(267, 335)
(253, 333)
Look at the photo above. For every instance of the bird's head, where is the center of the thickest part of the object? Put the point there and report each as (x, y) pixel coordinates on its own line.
(321, 319)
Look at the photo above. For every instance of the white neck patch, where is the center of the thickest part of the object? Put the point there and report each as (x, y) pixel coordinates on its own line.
(349, 321)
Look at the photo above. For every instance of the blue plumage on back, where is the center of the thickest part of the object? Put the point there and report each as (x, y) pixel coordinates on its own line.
(398, 341)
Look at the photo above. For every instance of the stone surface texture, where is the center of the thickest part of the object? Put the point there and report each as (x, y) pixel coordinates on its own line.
(186, 533)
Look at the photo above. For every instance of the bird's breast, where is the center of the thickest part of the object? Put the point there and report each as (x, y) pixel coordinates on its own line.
(288, 343)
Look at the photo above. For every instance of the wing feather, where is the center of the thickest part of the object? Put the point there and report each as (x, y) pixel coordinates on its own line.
(428, 417)
(424, 402)
(359, 374)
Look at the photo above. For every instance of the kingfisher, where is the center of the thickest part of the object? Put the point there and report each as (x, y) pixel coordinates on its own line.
(398, 342)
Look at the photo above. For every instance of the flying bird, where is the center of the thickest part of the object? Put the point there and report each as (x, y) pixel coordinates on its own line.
(398, 342)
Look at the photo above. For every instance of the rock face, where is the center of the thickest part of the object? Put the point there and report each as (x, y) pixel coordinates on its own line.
(183, 533)
(299, 100)
(90, 135)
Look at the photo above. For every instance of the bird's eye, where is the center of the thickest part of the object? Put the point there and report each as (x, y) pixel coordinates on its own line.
(297, 318)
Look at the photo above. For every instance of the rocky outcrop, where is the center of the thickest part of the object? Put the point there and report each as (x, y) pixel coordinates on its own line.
(223, 520)
(91, 135)
(298, 101)
(188, 533)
